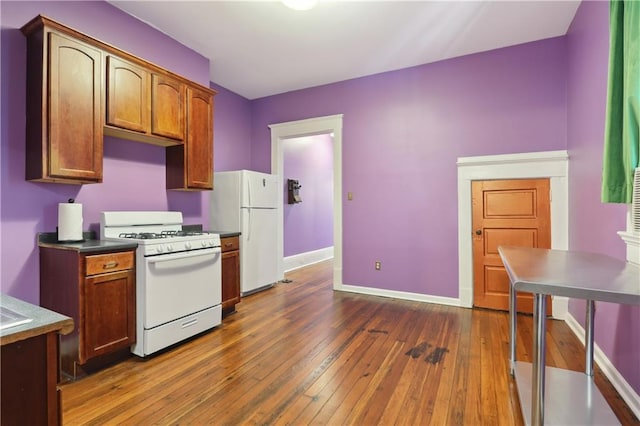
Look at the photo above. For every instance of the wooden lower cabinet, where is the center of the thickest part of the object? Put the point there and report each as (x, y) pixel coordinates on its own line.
(30, 395)
(230, 274)
(98, 292)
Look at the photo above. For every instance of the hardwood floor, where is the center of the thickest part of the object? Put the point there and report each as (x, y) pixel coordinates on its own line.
(301, 353)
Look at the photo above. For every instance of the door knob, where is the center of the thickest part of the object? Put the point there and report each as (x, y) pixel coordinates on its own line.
(478, 231)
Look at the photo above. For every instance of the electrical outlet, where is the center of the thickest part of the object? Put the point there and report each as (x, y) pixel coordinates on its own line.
(349, 196)
(378, 265)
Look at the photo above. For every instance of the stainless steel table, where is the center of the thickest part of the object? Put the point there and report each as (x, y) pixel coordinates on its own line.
(575, 275)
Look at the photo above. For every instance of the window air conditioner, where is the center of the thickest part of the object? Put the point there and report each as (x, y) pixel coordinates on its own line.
(635, 203)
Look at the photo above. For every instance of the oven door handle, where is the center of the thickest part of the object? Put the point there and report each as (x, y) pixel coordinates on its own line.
(184, 255)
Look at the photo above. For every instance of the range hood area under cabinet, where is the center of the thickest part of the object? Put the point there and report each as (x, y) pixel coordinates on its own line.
(80, 89)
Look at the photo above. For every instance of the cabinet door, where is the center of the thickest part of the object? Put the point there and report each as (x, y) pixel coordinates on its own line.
(109, 313)
(128, 102)
(230, 279)
(167, 107)
(190, 166)
(28, 381)
(199, 149)
(75, 111)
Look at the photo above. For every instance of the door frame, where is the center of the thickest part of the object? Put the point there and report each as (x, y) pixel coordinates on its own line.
(309, 127)
(545, 164)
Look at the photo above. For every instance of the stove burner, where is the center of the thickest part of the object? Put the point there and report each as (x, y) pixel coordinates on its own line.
(162, 234)
(142, 235)
(182, 233)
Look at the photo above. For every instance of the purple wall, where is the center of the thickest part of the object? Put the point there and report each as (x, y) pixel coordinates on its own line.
(308, 225)
(134, 173)
(231, 131)
(593, 225)
(402, 134)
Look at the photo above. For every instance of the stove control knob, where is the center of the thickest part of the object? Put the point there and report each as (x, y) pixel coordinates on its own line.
(187, 246)
(169, 248)
(204, 243)
(210, 243)
(159, 249)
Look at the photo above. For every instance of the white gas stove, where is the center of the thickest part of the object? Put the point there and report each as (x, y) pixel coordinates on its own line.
(178, 276)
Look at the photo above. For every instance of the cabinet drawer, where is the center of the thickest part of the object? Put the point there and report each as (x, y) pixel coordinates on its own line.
(230, 243)
(110, 262)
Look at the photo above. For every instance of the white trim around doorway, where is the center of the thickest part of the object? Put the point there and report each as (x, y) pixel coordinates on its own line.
(547, 164)
(313, 126)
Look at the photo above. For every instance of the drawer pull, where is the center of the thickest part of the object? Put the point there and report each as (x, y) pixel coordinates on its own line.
(190, 323)
(109, 265)
(228, 244)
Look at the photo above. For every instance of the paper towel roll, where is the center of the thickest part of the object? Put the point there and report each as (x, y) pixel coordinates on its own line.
(69, 222)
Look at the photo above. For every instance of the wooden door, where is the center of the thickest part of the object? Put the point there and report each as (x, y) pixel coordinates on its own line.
(509, 213)
(75, 110)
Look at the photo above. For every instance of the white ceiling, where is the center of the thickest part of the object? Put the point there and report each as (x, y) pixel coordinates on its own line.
(261, 48)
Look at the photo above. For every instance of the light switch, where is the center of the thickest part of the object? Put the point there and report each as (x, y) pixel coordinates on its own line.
(349, 196)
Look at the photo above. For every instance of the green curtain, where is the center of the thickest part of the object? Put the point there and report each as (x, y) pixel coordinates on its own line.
(623, 102)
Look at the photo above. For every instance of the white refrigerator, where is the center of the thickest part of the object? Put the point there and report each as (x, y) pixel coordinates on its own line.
(247, 201)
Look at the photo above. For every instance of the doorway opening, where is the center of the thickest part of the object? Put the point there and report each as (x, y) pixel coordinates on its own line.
(301, 128)
(308, 200)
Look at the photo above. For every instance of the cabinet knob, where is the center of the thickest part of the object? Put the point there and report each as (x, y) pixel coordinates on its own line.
(478, 231)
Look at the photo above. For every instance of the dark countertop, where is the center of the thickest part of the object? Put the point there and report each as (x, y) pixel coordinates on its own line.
(89, 245)
(42, 321)
(223, 234)
(226, 234)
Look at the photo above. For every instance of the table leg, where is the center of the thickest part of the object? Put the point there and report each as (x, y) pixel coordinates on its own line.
(588, 337)
(537, 382)
(513, 316)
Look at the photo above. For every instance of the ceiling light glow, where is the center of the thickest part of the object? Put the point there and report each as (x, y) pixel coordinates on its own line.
(300, 4)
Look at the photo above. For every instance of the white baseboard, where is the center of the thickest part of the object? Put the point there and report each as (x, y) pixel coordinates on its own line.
(404, 295)
(308, 258)
(627, 393)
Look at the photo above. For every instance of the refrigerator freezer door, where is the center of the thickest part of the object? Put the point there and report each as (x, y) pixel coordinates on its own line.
(258, 258)
(259, 190)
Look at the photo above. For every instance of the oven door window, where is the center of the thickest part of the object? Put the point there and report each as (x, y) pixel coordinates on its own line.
(180, 284)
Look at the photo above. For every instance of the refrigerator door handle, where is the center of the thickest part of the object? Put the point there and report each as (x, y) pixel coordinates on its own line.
(249, 224)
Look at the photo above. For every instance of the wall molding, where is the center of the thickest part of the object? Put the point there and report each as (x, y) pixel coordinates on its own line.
(546, 164)
(308, 258)
(627, 393)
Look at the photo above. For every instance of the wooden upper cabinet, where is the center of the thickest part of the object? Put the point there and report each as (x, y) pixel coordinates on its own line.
(142, 105)
(200, 139)
(128, 103)
(80, 89)
(64, 112)
(167, 107)
(190, 167)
